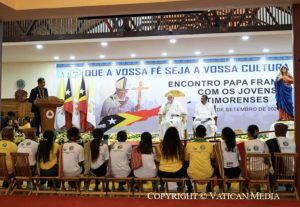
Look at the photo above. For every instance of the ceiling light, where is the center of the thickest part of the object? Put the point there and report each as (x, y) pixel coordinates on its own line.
(197, 52)
(56, 58)
(39, 46)
(245, 37)
(133, 55)
(266, 50)
(101, 56)
(104, 44)
(230, 51)
(72, 57)
(164, 54)
(173, 41)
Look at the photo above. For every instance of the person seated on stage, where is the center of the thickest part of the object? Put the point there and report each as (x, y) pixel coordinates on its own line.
(11, 124)
(99, 154)
(230, 154)
(205, 115)
(7, 146)
(73, 154)
(253, 145)
(47, 156)
(120, 156)
(26, 124)
(171, 113)
(148, 154)
(199, 154)
(30, 146)
(171, 158)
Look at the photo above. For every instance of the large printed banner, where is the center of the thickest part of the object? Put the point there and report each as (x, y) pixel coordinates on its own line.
(241, 88)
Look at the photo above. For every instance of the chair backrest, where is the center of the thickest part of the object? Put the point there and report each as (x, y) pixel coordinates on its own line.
(21, 165)
(258, 166)
(285, 165)
(3, 167)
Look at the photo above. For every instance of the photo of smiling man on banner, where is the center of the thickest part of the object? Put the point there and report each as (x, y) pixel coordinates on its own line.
(118, 102)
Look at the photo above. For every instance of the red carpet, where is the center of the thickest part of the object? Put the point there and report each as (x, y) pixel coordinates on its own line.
(56, 201)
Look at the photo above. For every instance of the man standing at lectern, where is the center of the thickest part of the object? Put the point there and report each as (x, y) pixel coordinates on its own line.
(36, 93)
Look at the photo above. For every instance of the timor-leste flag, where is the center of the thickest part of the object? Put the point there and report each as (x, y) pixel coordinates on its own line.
(82, 106)
(68, 105)
(126, 118)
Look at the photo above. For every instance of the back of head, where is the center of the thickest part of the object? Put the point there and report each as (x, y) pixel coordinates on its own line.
(145, 145)
(122, 136)
(95, 143)
(45, 146)
(8, 133)
(171, 145)
(200, 131)
(30, 133)
(98, 133)
(280, 129)
(229, 137)
(253, 130)
(73, 134)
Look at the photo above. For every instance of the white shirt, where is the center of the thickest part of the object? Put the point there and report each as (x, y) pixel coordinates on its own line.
(168, 109)
(286, 145)
(205, 111)
(256, 146)
(103, 156)
(120, 155)
(231, 159)
(148, 170)
(72, 155)
(29, 146)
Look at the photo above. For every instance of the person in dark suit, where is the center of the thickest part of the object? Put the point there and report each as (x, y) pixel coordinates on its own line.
(36, 93)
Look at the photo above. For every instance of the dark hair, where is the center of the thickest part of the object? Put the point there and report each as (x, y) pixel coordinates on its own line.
(171, 145)
(200, 131)
(45, 146)
(95, 143)
(40, 80)
(8, 133)
(122, 136)
(27, 118)
(229, 137)
(145, 145)
(253, 130)
(10, 113)
(73, 134)
(205, 96)
(280, 129)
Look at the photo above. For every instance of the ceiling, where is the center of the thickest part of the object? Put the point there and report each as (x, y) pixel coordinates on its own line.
(35, 9)
(150, 47)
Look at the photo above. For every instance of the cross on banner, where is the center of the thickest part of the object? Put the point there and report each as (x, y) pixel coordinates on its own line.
(139, 89)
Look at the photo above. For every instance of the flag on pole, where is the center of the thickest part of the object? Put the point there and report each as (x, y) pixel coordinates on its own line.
(60, 119)
(76, 114)
(68, 106)
(91, 116)
(82, 106)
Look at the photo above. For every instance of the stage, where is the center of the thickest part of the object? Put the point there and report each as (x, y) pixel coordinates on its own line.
(61, 201)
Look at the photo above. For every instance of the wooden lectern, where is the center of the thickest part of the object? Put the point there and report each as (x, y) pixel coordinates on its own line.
(47, 108)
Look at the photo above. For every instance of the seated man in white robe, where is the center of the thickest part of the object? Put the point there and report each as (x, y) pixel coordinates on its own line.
(172, 115)
(205, 115)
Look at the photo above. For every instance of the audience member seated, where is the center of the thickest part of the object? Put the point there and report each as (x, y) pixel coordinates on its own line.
(120, 156)
(7, 147)
(199, 154)
(73, 154)
(148, 154)
(26, 124)
(47, 156)
(99, 155)
(30, 146)
(230, 154)
(171, 158)
(253, 145)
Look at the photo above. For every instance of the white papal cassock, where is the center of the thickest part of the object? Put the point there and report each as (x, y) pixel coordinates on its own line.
(205, 115)
(172, 116)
